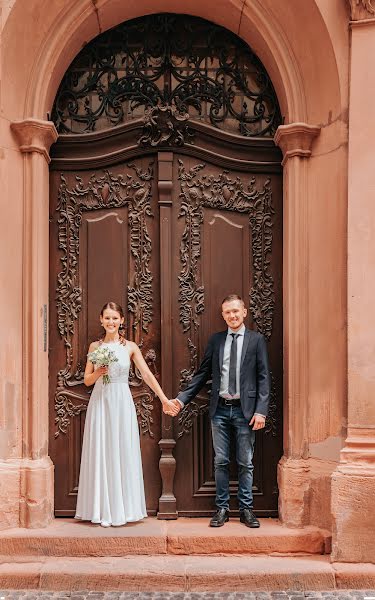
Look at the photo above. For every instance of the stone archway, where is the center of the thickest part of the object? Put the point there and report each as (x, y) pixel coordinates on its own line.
(197, 93)
(306, 267)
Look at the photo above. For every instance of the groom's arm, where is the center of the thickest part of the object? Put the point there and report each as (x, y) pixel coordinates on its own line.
(263, 378)
(200, 378)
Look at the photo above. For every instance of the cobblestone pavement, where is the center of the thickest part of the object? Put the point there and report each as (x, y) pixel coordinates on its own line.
(87, 595)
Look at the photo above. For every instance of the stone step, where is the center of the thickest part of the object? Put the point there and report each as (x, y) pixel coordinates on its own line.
(67, 537)
(168, 573)
(183, 573)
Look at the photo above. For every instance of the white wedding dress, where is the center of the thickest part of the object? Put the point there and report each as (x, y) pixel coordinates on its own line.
(111, 490)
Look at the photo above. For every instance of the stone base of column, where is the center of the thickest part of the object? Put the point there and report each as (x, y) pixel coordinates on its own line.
(293, 481)
(305, 492)
(353, 493)
(26, 497)
(9, 494)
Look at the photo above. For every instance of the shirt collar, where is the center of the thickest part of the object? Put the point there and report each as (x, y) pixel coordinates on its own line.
(240, 331)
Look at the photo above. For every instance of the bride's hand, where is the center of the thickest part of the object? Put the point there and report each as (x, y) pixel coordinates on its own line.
(170, 408)
(101, 371)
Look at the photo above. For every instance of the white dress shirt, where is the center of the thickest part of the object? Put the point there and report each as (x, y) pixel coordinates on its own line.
(224, 381)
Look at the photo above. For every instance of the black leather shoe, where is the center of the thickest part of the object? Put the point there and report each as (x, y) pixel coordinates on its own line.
(220, 517)
(247, 516)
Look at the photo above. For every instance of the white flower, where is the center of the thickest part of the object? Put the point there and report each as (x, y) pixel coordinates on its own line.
(102, 357)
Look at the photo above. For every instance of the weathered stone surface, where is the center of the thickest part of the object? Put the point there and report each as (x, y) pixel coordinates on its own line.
(354, 521)
(86, 595)
(355, 576)
(170, 573)
(146, 573)
(66, 537)
(259, 573)
(193, 536)
(20, 576)
(9, 495)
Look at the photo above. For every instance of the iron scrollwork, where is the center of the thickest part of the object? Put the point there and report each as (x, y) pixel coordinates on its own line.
(179, 61)
(199, 191)
(107, 191)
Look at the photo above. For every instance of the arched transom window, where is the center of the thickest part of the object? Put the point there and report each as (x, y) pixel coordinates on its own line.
(185, 62)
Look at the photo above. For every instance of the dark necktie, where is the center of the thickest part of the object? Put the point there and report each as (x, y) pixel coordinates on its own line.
(232, 388)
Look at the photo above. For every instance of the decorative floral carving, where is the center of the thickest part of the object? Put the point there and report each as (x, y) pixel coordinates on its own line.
(187, 374)
(66, 399)
(272, 417)
(106, 191)
(177, 60)
(362, 9)
(165, 126)
(143, 398)
(140, 293)
(222, 192)
(191, 295)
(189, 414)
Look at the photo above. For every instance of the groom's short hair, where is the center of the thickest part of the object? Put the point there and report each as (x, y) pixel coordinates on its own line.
(231, 297)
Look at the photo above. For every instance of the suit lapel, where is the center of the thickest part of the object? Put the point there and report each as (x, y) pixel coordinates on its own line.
(245, 345)
(223, 337)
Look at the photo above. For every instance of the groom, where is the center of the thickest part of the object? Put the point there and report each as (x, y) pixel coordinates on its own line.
(236, 360)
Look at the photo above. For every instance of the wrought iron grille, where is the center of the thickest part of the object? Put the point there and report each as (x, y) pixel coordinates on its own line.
(177, 60)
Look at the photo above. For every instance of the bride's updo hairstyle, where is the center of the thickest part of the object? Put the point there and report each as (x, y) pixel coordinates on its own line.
(117, 308)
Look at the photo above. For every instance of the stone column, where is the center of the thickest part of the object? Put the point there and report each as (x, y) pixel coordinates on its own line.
(35, 467)
(353, 482)
(295, 141)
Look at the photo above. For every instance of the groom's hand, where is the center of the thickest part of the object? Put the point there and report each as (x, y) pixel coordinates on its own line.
(170, 408)
(177, 404)
(258, 422)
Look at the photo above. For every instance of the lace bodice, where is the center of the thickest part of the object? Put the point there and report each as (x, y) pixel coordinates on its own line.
(119, 371)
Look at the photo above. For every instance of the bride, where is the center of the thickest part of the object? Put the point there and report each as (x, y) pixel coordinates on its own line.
(111, 490)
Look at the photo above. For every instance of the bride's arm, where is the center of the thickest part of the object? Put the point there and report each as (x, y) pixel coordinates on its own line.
(150, 379)
(92, 375)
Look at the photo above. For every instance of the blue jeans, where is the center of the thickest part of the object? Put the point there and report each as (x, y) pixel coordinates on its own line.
(222, 422)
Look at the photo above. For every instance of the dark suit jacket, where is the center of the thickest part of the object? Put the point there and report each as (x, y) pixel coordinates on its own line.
(255, 386)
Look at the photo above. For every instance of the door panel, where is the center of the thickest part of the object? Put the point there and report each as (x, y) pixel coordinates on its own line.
(225, 242)
(225, 261)
(224, 235)
(104, 245)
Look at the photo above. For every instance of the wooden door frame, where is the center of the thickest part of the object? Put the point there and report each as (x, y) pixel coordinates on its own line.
(103, 149)
(35, 138)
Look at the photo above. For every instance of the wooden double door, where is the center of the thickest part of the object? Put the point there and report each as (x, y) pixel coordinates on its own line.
(167, 232)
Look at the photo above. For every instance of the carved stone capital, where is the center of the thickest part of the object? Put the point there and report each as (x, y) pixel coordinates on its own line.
(296, 139)
(362, 9)
(35, 135)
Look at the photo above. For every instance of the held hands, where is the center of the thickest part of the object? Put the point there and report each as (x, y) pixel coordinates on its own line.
(171, 407)
(258, 422)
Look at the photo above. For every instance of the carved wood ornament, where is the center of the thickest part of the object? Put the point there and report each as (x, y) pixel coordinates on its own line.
(199, 191)
(164, 125)
(132, 189)
(362, 9)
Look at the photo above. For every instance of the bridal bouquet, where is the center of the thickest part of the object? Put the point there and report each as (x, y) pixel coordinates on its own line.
(103, 357)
